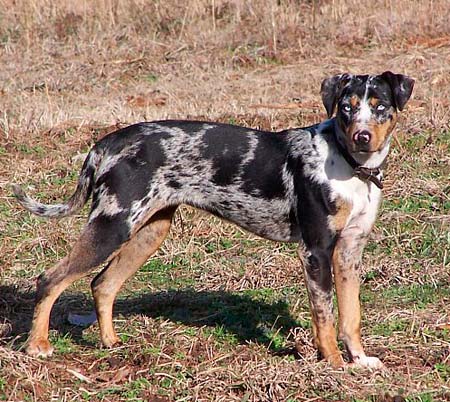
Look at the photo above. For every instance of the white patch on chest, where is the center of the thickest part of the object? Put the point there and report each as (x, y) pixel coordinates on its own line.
(364, 199)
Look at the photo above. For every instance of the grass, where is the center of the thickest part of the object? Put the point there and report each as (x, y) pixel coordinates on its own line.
(215, 314)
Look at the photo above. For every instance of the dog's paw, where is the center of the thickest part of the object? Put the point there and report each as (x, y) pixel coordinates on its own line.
(39, 348)
(373, 363)
(336, 361)
(111, 340)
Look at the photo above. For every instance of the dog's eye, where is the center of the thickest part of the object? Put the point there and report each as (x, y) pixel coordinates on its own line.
(381, 107)
(347, 108)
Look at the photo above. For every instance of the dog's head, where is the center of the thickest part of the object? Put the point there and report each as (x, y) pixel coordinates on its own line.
(366, 107)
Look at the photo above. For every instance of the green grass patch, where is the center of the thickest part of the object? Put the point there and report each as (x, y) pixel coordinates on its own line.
(411, 238)
(423, 397)
(150, 78)
(30, 150)
(3, 384)
(387, 328)
(443, 370)
(222, 335)
(69, 176)
(417, 203)
(414, 296)
(165, 275)
(63, 344)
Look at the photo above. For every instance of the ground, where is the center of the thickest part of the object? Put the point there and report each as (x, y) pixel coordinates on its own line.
(216, 313)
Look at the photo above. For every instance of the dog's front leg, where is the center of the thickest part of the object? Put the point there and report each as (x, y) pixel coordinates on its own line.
(346, 260)
(317, 269)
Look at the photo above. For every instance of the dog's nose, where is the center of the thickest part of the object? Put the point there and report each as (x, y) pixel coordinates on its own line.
(362, 137)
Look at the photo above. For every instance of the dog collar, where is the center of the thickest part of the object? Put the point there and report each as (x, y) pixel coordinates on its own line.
(363, 173)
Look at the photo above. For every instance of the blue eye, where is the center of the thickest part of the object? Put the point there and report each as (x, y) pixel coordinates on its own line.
(347, 108)
(381, 107)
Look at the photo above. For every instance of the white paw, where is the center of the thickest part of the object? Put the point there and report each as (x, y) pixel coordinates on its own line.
(373, 363)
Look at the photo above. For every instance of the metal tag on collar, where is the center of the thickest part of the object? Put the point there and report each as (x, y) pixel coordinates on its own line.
(368, 174)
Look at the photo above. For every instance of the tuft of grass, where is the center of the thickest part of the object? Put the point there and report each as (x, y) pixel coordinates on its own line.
(63, 344)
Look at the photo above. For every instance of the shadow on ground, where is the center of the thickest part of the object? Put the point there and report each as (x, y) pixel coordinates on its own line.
(248, 318)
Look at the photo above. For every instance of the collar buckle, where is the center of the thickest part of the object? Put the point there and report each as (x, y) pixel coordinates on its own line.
(369, 174)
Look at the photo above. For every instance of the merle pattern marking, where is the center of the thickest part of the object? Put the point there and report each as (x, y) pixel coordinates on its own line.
(293, 186)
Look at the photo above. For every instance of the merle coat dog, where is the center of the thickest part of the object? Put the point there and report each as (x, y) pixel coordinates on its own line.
(319, 186)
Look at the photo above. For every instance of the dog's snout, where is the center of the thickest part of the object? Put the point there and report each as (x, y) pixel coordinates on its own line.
(362, 137)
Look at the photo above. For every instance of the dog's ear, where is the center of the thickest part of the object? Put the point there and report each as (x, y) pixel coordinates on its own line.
(401, 86)
(331, 89)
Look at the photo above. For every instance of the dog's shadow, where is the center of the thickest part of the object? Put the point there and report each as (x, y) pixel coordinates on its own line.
(244, 316)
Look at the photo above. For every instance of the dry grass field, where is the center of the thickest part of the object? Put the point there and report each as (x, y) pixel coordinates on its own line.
(215, 314)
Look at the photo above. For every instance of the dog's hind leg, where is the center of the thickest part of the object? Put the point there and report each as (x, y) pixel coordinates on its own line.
(131, 257)
(100, 239)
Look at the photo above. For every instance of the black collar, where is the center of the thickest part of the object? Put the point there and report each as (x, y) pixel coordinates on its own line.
(373, 175)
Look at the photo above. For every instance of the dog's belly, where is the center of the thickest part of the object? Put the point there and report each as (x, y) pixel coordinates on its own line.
(273, 219)
(270, 219)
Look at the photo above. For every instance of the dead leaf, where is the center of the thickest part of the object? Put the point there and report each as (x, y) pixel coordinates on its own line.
(146, 100)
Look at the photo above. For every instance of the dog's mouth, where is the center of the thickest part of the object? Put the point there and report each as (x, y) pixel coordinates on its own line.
(362, 148)
(367, 152)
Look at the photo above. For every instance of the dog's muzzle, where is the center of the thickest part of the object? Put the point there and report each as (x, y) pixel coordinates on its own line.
(362, 137)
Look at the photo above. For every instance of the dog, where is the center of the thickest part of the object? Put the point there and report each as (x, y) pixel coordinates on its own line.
(319, 186)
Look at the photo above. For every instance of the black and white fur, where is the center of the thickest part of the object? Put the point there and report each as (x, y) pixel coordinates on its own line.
(292, 186)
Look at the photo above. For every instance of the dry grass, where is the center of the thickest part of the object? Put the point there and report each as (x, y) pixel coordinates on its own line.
(213, 315)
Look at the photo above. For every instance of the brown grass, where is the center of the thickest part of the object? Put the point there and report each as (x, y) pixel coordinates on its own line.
(73, 71)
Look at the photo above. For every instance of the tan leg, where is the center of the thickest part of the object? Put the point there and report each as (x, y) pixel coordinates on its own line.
(317, 269)
(38, 344)
(99, 241)
(51, 284)
(325, 340)
(346, 258)
(130, 258)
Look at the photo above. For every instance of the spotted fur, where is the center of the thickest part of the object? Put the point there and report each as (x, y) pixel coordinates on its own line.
(292, 186)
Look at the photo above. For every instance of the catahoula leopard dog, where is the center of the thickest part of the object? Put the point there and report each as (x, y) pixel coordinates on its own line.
(319, 186)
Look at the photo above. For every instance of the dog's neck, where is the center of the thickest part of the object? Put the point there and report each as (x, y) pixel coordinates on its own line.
(367, 166)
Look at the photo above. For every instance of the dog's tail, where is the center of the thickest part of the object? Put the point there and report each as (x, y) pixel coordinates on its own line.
(76, 201)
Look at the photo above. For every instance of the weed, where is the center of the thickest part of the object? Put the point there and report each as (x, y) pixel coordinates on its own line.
(151, 78)
(425, 397)
(443, 369)
(63, 343)
(388, 328)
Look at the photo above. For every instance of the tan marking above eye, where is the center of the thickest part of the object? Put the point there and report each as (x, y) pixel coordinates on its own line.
(374, 102)
(354, 101)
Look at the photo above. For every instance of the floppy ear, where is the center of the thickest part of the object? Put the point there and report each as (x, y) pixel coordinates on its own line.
(331, 89)
(401, 86)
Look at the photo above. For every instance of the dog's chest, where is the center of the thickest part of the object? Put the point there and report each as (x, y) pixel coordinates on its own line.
(360, 200)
